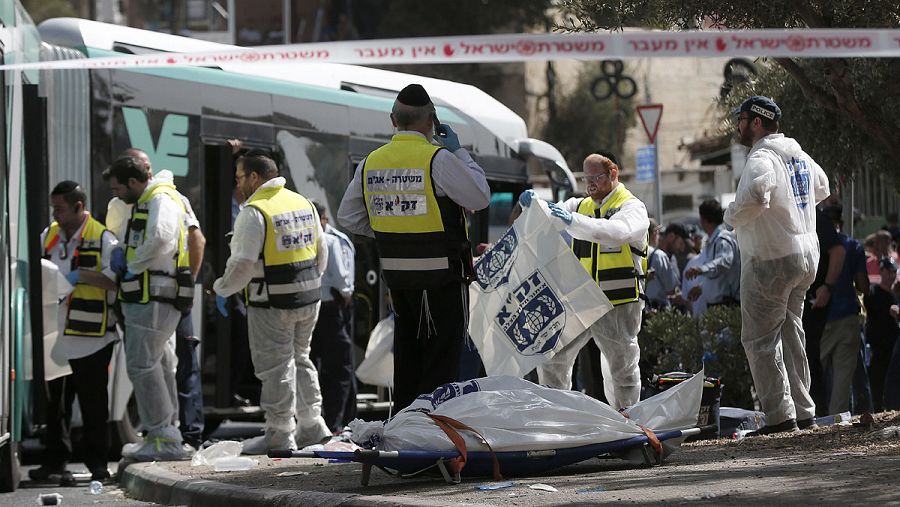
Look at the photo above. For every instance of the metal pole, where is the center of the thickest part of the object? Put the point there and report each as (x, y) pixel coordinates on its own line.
(232, 28)
(286, 21)
(850, 226)
(659, 205)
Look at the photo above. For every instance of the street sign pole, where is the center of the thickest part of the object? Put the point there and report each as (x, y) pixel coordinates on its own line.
(659, 209)
(650, 115)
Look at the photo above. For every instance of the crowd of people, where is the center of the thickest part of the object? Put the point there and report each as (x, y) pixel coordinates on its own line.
(777, 252)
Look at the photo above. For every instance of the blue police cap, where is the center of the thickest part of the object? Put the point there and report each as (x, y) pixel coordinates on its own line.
(763, 106)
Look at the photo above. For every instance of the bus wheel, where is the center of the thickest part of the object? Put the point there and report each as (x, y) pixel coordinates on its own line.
(127, 430)
(9, 466)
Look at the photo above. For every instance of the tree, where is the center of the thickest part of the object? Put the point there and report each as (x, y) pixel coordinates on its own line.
(40, 10)
(414, 18)
(839, 100)
(579, 124)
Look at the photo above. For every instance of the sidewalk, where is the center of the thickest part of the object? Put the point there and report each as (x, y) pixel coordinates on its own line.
(835, 465)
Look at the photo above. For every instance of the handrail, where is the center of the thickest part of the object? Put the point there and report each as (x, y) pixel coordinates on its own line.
(18, 390)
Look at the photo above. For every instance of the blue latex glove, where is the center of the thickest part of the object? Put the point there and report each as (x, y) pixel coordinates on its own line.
(73, 277)
(446, 136)
(526, 197)
(557, 211)
(129, 276)
(117, 262)
(222, 305)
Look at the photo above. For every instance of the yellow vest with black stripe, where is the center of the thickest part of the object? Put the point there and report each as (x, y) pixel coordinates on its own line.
(611, 266)
(180, 291)
(289, 252)
(87, 315)
(421, 237)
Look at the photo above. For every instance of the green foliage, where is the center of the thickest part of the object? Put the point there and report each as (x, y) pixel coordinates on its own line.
(582, 124)
(833, 140)
(414, 18)
(845, 112)
(40, 10)
(672, 341)
(734, 14)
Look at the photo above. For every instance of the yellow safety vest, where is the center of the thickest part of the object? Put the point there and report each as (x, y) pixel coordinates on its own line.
(87, 315)
(138, 289)
(421, 237)
(291, 277)
(611, 266)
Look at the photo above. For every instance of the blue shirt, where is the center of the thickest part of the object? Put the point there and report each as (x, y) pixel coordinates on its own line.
(339, 274)
(843, 298)
(665, 280)
(722, 268)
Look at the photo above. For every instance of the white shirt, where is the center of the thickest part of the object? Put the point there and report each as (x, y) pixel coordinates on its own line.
(118, 211)
(455, 175)
(627, 227)
(157, 252)
(245, 263)
(74, 347)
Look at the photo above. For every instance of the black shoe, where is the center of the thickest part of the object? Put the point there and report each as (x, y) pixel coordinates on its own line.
(788, 426)
(43, 472)
(101, 475)
(66, 479)
(807, 424)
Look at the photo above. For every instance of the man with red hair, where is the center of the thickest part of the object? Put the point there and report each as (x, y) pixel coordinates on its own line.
(609, 236)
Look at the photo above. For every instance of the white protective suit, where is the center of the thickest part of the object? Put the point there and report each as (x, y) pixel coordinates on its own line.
(616, 332)
(279, 342)
(150, 335)
(774, 218)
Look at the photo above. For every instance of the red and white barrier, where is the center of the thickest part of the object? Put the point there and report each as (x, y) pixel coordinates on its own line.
(813, 43)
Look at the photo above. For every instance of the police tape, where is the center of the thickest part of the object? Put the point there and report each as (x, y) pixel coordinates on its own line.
(811, 43)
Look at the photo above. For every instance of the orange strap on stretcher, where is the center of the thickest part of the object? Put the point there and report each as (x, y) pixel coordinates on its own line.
(450, 425)
(651, 437)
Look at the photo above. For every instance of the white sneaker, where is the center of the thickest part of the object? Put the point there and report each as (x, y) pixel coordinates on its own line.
(155, 449)
(271, 441)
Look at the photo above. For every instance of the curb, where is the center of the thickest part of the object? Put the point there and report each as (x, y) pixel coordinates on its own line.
(150, 482)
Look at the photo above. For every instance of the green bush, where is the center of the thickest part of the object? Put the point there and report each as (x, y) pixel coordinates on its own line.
(672, 341)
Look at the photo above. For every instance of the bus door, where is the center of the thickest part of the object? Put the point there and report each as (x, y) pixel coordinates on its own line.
(218, 187)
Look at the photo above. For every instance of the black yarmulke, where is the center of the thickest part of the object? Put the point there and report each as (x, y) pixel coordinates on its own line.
(414, 95)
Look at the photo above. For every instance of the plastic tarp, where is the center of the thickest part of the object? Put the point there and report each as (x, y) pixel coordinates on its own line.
(514, 414)
(531, 296)
(54, 288)
(377, 368)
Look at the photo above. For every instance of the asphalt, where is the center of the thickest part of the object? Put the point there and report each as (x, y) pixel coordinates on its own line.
(158, 483)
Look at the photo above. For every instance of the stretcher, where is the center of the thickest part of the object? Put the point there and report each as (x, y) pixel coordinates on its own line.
(481, 463)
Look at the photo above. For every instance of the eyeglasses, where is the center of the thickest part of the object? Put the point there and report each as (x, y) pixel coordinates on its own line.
(739, 118)
(593, 178)
(239, 177)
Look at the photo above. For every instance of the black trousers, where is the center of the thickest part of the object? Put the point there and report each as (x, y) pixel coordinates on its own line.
(814, 320)
(187, 380)
(429, 332)
(332, 353)
(88, 380)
